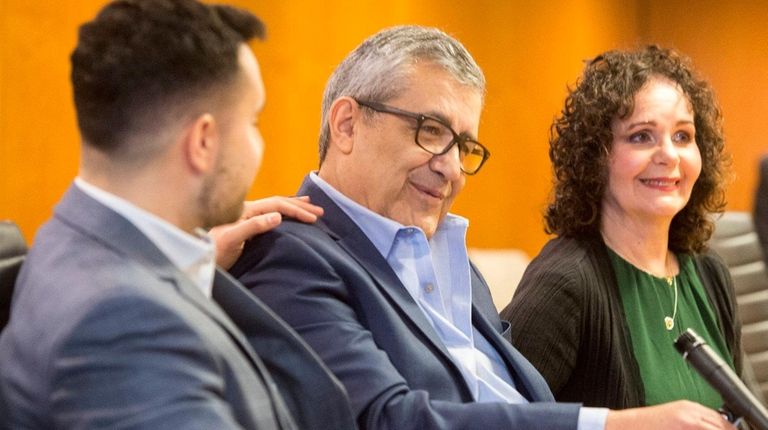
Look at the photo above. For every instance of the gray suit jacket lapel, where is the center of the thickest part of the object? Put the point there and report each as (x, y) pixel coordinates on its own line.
(113, 231)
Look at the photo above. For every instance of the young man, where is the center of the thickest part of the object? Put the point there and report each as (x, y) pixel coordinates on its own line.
(113, 323)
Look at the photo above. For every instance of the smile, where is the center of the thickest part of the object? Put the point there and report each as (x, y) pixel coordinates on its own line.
(429, 192)
(660, 182)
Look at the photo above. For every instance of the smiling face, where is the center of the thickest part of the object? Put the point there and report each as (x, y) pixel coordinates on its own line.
(654, 160)
(390, 174)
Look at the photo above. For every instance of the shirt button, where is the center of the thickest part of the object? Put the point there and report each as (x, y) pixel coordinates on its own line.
(429, 287)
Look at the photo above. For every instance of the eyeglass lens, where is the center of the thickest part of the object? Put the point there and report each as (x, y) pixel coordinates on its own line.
(435, 138)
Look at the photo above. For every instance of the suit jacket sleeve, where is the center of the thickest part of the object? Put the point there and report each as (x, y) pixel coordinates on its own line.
(131, 363)
(306, 281)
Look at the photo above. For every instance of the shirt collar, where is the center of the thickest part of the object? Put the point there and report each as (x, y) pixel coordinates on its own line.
(380, 230)
(193, 255)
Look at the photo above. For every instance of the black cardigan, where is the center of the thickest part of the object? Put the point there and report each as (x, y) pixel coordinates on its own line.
(568, 320)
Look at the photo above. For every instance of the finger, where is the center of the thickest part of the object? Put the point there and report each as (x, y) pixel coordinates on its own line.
(303, 203)
(714, 420)
(301, 210)
(253, 208)
(250, 227)
(297, 207)
(306, 203)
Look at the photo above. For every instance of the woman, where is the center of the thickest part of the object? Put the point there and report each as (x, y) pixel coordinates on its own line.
(638, 160)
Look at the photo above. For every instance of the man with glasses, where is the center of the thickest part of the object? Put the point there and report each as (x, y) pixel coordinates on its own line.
(381, 286)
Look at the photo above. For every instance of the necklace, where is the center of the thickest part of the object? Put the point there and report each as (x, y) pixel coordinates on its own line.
(669, 322)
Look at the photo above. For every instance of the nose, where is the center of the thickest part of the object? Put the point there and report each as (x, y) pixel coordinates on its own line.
(448, 165)
(666, 152)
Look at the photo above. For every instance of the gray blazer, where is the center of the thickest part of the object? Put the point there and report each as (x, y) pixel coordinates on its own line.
(106, 333)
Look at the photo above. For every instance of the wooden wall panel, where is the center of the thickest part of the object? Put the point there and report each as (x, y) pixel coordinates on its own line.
(38, 135)
(530, 51)
(728, 42)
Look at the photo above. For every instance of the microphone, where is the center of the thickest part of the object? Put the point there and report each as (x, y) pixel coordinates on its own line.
(738, 399)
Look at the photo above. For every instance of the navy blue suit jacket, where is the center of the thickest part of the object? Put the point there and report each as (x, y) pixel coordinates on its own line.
(329, 282)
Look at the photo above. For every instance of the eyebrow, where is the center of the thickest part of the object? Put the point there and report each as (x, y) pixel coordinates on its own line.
(445, 120)
(438, 115)
(653, 123)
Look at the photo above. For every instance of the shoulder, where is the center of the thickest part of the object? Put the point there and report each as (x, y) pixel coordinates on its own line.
(60, 324)
(565, 273)
(291, 244)
(66, 284)
(105, 305)
(566, 258)
(716, 278)
(710, 257)
(294, 233)
(711, 264)
(554, 274)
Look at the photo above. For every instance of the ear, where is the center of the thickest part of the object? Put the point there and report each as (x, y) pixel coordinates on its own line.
(200, 144)
(342, 121)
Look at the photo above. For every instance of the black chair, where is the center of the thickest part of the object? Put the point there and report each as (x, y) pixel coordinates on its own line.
(13, 248)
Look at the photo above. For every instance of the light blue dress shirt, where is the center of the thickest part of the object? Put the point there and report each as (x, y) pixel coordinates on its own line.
(436, 273)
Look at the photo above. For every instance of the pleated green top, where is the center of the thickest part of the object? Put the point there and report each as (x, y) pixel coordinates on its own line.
(649, 300)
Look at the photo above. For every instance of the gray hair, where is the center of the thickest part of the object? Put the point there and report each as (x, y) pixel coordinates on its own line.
(376, 70)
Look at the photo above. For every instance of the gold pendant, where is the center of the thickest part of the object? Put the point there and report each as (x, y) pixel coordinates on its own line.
(669, 323)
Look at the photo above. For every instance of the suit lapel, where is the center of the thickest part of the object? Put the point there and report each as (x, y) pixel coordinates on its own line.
(528, 381)
(113, 231)
(339, 226)
(307, 385)
(207, 306)
(228, 290)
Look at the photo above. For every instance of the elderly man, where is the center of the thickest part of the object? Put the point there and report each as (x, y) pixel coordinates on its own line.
(113, 323)
(381, 286)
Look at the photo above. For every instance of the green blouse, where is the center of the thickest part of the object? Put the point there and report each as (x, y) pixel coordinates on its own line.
(648, 301)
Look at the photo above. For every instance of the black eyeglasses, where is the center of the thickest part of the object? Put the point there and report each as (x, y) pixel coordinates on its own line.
(436, 137)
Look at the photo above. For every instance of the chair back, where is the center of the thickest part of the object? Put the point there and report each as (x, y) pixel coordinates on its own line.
(736, 241)
(13, 248)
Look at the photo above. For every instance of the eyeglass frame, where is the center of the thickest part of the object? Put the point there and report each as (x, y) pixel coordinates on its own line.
(458, 139)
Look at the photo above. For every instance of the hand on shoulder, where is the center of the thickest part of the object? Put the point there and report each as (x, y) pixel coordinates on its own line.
(259, 216)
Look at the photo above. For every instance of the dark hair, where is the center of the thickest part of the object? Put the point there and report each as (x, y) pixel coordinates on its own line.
(580, 144)
(137, 58)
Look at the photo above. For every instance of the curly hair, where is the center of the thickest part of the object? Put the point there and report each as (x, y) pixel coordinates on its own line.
(580, 144)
